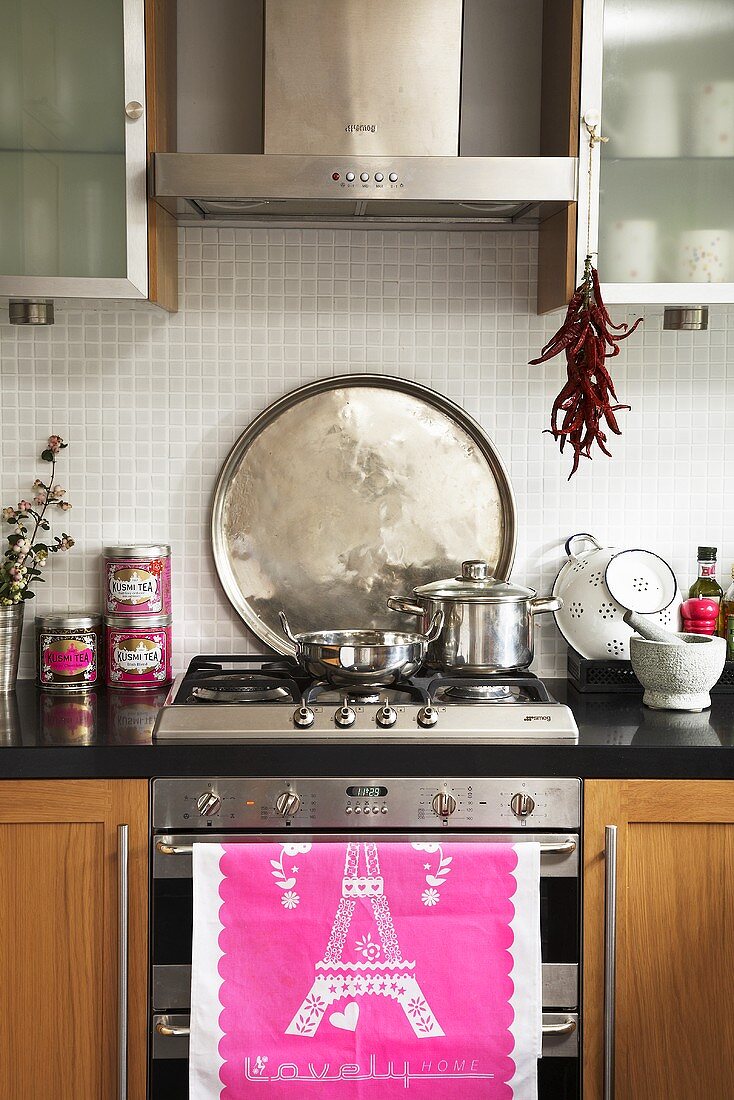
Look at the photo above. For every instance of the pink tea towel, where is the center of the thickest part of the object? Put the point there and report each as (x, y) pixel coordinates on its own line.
(365, 971)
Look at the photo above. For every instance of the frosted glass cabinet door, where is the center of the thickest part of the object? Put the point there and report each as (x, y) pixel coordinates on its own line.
(661, 72)
(72, 163)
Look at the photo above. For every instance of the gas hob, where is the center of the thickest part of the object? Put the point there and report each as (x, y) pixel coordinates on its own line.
(256, 700)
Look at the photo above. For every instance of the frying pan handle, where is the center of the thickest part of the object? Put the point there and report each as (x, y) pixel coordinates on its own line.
(581, 535)
(402, 603)
(288, 632)
(436, 626)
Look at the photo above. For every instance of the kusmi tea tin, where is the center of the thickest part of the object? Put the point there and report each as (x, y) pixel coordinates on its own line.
(138, 651)
(69, 646)
(137, 580)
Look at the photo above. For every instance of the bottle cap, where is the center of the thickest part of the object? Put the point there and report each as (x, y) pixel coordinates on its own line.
(707, 553)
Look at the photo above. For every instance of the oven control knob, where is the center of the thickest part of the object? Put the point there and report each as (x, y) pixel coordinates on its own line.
(427, 717)
(387, 716)
(303, 718)
(443, 804)
(522, 805)
(208, 804)
(345, 717)
(287, 804)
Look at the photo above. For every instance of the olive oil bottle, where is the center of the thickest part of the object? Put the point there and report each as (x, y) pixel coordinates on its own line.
(706, 584)
(727, 618)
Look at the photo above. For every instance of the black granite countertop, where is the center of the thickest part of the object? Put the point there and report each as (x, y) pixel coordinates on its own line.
(108, 735)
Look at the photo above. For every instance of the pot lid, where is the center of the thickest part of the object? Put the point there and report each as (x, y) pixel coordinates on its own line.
(476, 582)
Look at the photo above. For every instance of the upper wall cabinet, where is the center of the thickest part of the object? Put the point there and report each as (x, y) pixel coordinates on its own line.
(661, 75)
(73, 151)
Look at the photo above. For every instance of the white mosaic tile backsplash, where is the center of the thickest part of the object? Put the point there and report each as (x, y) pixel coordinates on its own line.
(151, 404)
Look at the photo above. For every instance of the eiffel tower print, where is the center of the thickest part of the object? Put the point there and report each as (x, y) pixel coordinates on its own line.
(392, 976)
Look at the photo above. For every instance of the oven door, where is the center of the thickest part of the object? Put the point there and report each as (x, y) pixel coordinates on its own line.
(172, 907)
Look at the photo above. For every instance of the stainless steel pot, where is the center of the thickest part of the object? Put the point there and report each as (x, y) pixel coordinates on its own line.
(487, 624)
(372, 658)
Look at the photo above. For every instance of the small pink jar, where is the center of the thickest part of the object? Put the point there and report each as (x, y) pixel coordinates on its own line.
(138, 651)
(137, 580)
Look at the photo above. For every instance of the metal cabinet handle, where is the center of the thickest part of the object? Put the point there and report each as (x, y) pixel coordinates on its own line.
(566, 1028)
(169, 1031)
(610, 955)
(123, 912)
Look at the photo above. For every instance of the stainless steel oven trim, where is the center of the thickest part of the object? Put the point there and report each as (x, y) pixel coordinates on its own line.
(561, 864)
(171, 987)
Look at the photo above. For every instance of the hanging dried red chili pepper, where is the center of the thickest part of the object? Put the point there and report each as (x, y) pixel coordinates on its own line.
(588, 337)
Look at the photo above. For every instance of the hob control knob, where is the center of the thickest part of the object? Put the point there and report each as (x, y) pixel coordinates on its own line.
(427, 717)
(303, 718)
(522, 805)
(344, 717)
(208, 804)
(287, 804)
(443, 804)
(387, 716)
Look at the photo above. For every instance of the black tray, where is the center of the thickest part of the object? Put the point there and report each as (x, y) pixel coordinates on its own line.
(617, 677)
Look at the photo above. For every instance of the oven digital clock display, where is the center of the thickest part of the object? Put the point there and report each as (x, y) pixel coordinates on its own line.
(366, 792)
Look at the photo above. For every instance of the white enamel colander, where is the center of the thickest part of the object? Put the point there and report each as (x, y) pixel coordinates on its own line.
(590, 618)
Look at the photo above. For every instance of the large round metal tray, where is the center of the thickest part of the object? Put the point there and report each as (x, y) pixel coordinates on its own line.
(350, 490)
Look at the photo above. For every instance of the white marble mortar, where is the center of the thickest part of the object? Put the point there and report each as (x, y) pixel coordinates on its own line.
(678, 677)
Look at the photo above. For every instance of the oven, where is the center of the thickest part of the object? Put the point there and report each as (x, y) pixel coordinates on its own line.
(251, 811)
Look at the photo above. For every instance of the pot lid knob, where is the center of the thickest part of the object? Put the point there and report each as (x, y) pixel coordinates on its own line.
(474, 571)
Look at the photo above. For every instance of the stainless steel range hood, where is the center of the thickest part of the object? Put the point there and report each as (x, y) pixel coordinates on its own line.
(367, 119)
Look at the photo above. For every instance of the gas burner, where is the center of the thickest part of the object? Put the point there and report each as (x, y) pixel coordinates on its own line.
(405, 692)
(478, 693)
(240, 688)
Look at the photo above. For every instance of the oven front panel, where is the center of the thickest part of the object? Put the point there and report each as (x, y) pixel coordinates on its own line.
(483, 816)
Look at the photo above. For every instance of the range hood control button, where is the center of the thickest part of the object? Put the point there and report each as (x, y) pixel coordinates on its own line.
(387, 716)
(364, 177)
(350, 177)
(303, 718)
(522, 805)
(443, 804)
(427, 717)
(287, 804)
(208, 804)
(344, 717)
(379, 177)
(393, 177)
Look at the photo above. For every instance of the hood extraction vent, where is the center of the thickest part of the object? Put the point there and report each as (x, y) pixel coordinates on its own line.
(378, 113)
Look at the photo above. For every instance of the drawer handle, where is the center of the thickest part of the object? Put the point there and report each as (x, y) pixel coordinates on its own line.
(564, 847)
(169, 1031)
(567, 1027)
(610, 955)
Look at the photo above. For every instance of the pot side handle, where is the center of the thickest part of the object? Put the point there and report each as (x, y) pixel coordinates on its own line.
(404, 605)
(545, 603)
(586, 537)
(436, 626)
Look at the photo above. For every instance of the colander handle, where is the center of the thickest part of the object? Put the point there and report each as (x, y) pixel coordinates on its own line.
(581, 535)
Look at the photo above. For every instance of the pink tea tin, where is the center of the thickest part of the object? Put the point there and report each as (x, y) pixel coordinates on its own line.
(138, 651)
(69, 650)
(137, 580)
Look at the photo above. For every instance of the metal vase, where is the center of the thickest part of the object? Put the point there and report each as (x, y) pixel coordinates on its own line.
(11, 632)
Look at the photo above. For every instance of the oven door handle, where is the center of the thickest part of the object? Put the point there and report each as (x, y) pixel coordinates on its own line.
(566, 1027)
(169, 1031)
(564, 847)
